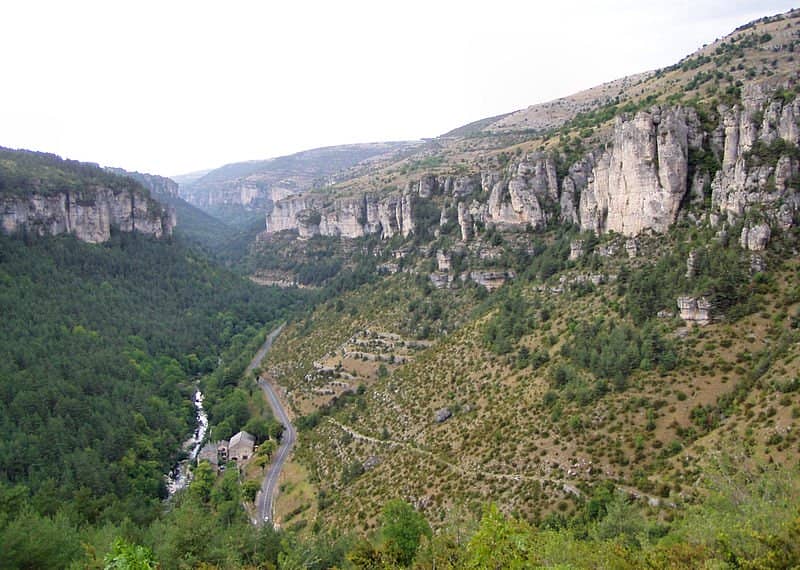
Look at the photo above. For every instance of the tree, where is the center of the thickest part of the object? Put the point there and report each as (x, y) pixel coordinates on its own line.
(401, 531)
(750, 513)
(203, 482)
(499, 542)
(622, 521)
(127, 556)
(259, 428)
(250, 489)
(266, 449)
(33, 541)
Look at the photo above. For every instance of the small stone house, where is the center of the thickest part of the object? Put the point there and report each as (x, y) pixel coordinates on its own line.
(241, 446)
(209, 453)
(216, 453)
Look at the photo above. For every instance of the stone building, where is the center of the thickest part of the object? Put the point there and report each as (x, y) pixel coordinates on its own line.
(241, 446)
(216, 453)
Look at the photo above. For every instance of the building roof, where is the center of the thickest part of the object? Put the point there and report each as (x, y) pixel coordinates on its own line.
(242, 437)
(209, 453)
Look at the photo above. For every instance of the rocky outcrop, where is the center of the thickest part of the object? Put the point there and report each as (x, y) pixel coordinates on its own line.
(576, 249)
(285, 215)
(572, 186)
(656, 160)
(447, 185)
(747, 178)
(89, 214)
(350, 217)
(518, 199)
(464, 221)
(461, 185)
(441, 279)
(491, 280)
(755, 238)
(691, 264)
(639, 183)
(695, 310)
(442, 415)
(443, 261)
(632, 247)
(757, 263)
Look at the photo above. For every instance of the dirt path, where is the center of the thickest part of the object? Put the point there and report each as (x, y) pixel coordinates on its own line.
(567, 486)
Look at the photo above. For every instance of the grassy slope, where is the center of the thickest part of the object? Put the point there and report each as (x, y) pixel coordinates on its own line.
(505, 443)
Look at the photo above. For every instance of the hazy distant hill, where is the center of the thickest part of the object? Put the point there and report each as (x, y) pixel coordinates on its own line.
(184, 179)
(256, 184)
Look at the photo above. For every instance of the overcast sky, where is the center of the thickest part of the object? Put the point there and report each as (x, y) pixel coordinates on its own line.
(174, 86)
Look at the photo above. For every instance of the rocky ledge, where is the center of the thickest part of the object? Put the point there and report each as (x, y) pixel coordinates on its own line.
(89, 214)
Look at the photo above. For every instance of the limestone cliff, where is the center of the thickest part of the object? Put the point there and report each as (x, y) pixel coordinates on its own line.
(518, 197)
(88, 214)
(639, 183)
(245, 193)
(752, 132)
(311, 215)
(737, 160)
(43, 194)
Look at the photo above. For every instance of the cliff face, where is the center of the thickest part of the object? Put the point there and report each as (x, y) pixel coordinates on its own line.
(237, 193)
(517, 198)
(636, 183)
(89, 215)
(352, 218)
(639, 183)
(748, 178)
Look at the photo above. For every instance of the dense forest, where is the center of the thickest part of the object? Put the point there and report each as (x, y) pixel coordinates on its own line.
(99, 351)
(748, 520)
(25, 171)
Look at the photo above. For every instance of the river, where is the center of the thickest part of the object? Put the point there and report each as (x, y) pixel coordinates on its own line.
(180, 475)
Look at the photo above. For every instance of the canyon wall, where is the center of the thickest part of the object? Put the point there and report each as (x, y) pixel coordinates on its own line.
(89, 215)
(655, 163)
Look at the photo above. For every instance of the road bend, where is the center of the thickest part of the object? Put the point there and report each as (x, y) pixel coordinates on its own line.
(265, 498)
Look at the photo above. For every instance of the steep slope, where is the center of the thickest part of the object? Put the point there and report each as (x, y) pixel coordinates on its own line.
(101, 346)
(599, 302)
(623, 157)
(44, 195)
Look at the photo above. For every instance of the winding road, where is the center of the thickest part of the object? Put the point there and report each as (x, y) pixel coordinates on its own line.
(265, 498)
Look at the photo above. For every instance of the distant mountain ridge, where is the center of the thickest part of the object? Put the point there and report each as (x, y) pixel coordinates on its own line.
(159, 185)
(256, 184)
(717, 129)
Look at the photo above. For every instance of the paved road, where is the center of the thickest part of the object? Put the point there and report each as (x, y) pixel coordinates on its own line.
(262, 352)
(265, 498)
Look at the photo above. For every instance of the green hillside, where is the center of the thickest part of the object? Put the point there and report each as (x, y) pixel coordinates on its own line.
(563, 337)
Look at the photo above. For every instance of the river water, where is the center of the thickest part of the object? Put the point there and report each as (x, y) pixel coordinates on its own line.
(180, 476)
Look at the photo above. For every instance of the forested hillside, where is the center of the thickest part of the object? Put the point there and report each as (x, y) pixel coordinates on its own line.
(100, 349)
(563, 337)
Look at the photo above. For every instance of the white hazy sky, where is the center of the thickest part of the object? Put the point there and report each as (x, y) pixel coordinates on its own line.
(172, 86)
